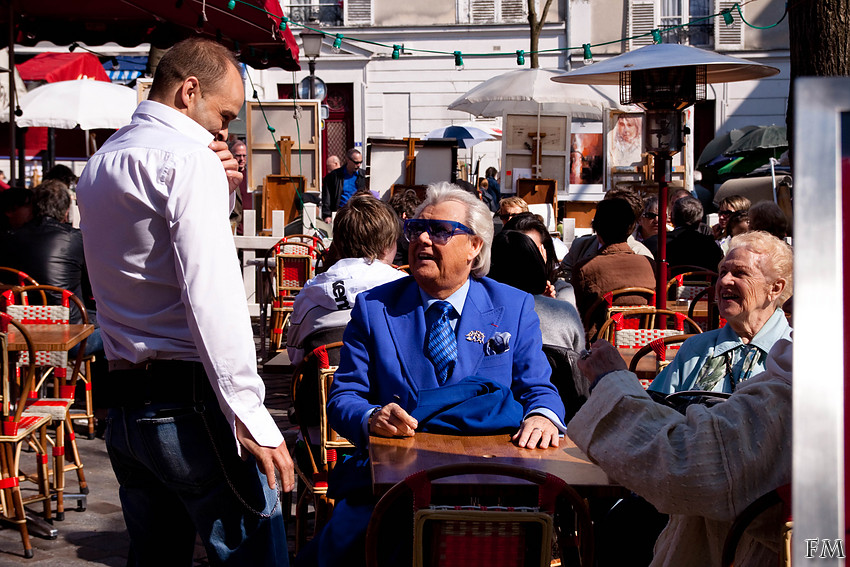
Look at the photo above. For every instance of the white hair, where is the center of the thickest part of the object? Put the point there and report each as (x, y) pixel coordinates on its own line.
(478, 219)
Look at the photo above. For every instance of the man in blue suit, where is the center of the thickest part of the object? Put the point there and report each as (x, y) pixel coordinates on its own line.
(446, 350)
(493, 343)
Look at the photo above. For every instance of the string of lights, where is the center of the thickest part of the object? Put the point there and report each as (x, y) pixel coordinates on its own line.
(727, 15)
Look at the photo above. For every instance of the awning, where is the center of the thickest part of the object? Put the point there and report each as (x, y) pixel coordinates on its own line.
(123, 75)
(55, 67)
(251, 27)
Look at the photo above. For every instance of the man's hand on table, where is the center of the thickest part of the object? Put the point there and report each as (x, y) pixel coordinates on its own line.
(536, 431)
(601, 359)
(392, 421)
(231, 166)
(268, 458)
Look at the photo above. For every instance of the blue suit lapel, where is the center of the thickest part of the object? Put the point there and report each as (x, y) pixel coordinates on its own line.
(479, 314)
(406, 324)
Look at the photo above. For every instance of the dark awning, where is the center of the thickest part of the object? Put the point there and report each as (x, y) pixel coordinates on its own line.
(254, 33)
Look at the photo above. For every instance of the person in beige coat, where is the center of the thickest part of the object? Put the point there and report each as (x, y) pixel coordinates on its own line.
(702, 468)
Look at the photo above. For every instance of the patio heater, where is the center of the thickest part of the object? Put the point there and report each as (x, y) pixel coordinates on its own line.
(312, 86)
(664, 79)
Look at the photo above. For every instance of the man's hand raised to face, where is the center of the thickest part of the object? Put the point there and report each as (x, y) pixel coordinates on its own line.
(231, 166)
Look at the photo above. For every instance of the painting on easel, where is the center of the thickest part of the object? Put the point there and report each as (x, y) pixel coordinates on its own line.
(586, 153)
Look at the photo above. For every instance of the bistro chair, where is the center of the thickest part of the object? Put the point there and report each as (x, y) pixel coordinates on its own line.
(294, 263)
(316, 451)
(55, 363)
(685, 286)
(13, 277)
(18, 429)
(712, 319)
(614, 301)
(461, 525)
(637, 327)
(759, 510)
(659, 347)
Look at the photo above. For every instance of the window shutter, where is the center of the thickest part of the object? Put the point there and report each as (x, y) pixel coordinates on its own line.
(513, 11)
(358, 12)
(728, 37)
(483, 11)
(643, 16)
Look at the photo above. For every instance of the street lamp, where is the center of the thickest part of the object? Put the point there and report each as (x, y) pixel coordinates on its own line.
(312, 86)
(664, 79)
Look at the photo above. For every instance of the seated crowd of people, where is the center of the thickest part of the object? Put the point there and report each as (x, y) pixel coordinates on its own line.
(460, 346)
(453, 307)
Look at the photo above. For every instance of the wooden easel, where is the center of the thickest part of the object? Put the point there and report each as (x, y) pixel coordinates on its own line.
(536, 152)
(286, 144)
(410, 162)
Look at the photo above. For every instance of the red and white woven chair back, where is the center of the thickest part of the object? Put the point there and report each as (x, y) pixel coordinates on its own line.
(627, 336)
(636, 338)
(42, 315)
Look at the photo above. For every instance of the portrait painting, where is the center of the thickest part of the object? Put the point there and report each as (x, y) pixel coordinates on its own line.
(626, 140)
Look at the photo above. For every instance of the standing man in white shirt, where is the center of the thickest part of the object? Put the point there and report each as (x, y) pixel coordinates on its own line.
(191, 443)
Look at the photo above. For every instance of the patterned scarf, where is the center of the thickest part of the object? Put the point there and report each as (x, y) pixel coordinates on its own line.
(737, 363)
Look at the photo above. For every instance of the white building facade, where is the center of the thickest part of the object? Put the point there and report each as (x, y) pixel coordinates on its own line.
(408, 96)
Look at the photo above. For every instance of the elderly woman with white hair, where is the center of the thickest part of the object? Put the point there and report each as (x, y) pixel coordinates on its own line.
(755, 280)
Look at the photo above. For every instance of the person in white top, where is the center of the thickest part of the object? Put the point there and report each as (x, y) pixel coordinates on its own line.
(365, 234)
(191, 443)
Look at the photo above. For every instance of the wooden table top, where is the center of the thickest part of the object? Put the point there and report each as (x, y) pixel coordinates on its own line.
(395, 459)
(49, 337)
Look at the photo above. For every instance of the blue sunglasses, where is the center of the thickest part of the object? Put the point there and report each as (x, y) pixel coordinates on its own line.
(439, 231)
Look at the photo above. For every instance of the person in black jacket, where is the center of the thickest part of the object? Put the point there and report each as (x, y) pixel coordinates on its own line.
(47, 247)
(340, 184)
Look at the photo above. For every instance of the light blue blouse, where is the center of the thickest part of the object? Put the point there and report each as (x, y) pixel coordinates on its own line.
(681, 374)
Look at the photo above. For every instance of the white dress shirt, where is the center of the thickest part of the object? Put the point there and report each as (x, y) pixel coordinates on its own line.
(162, 262)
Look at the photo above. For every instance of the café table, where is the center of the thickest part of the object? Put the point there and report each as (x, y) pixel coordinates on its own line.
(50, 336)
(394, 459)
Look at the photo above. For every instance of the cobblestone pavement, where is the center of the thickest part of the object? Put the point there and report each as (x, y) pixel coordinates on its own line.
(97, 536)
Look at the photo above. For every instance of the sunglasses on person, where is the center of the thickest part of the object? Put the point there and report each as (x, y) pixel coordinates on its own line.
(650, 216)
(439, 231)
(725, 213)
(506, 216)
(355, 162)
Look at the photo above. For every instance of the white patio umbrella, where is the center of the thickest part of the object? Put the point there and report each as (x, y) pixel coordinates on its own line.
(531, 91)
(85, 103)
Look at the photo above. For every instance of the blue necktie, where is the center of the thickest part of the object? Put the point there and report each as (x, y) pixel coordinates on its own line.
(441, 343)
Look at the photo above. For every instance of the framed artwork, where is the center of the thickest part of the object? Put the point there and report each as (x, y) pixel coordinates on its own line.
(626, 140)
(587, 159)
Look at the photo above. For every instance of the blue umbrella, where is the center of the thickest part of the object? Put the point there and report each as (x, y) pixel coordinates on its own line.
(466, 136)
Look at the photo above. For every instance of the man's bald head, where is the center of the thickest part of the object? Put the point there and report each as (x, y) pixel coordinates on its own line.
(204, 59)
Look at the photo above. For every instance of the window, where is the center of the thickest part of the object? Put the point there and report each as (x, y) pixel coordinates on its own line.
(646, 15)
(492, 11)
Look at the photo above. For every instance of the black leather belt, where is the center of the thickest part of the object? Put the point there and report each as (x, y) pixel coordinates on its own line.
(154, 381)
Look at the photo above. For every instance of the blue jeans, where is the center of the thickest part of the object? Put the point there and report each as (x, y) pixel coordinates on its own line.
(179, 474)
